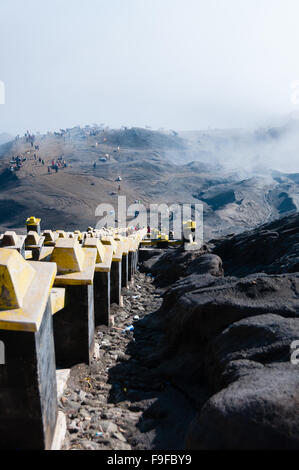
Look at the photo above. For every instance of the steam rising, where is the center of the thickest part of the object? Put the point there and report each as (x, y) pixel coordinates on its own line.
(254, 151)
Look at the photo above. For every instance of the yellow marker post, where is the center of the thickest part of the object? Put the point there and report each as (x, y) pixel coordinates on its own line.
(101, 280)
(33, 225)
(74, 324)
(29, 373)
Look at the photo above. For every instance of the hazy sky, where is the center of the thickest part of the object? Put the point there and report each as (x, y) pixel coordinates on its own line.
(179, 64)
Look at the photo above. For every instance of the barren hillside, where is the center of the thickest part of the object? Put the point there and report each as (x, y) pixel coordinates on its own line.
(150, 167)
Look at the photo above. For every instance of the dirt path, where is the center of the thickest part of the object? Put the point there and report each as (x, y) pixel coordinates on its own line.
(118, 403)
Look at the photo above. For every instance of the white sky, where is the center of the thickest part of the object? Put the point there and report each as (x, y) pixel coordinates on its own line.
(179, 64)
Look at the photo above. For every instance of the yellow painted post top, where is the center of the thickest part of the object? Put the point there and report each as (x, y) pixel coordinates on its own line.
(96, 243)
(32, 239)
(117, 251)
(61, 233)
(9, 239)
(68, 255)
(45, 252)
(33, 221)
(83, 277)
(79, 235)
(49, 236)
(108, 240)
(15, 278)
(105, 266)
(57, 298)
(24, 291)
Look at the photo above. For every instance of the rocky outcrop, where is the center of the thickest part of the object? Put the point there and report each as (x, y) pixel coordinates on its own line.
(174, 264)
(200, 308)
(264, 339)
(257, 411)
(231, 335)
(272, 249)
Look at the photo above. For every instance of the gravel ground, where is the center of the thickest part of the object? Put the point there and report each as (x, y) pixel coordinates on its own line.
(119, 403)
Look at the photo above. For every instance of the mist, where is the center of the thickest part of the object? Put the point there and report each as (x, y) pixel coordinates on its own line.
(253, 151)
(172, 64)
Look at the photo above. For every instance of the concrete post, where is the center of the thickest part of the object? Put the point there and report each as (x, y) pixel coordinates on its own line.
(101, 280)
(125, 271)
(28, 395)
(102, 298)
(28, 388)
(116, 269)
(130, 266)
(74, 327)
(33, 225)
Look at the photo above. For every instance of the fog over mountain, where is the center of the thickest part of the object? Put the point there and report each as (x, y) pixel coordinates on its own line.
(4, 138)
(193, 103)
(257, 150)
(219, 169)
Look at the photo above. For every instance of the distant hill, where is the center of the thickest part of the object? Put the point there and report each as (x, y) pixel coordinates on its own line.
(145, 138)
(154, 166)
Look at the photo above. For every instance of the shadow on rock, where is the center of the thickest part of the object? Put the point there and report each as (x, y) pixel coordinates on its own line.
(142, 386)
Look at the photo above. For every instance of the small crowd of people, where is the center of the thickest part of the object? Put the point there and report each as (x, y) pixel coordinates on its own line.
(17, 162)
(57, 164)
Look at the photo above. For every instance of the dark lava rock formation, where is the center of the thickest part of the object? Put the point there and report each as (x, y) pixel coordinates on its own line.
(168, 267)
(230, 333)
(272, 248)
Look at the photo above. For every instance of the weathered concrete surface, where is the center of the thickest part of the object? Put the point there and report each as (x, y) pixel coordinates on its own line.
(125, 271)
(115, 296)
(28, 395)
(74, 327)
(102, 296)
